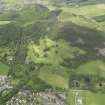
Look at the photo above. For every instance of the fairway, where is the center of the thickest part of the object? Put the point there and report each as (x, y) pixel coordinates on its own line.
(88, 98)
(3, 69)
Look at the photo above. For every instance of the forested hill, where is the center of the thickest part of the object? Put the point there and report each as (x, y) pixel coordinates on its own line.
(56, 45)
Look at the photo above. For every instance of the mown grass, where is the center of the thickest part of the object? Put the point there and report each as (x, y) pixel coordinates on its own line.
(88, 97)
(92, 68)
(10, 2)
(55, 78)
(4, 22)
(3, 69)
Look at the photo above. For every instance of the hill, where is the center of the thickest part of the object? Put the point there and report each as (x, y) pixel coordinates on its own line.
(57, 45)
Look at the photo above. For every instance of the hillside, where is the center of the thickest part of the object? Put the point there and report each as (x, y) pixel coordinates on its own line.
(52, 52)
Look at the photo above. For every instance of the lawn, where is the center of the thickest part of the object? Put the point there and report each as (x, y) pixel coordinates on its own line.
(10, 2)
(3, 69)
(53, 77)
(4, 22)
(92, 68)
(84, 15)
(86, 10)
(88, 98)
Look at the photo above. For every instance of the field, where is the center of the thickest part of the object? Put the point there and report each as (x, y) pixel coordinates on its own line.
(4, 22)
(92, 16)
(10, 2)
(84, 15)
(92, 68)
(3, 69)
(88, 98)
(56, 47)
(58, 79)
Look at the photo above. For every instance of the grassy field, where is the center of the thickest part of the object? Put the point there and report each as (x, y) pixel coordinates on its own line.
(58, 79)
(4, 22)
(87, 10)
(10, 2)
(55, 54)
(84, 15)
(92, 68)
(88, 98)
(3, 69)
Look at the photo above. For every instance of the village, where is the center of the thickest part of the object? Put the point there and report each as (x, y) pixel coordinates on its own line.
(27, 97)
